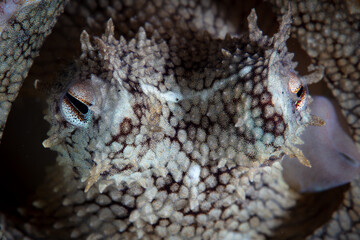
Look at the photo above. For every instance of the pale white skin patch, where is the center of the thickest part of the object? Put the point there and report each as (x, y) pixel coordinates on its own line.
(168, 96)
(194, 173)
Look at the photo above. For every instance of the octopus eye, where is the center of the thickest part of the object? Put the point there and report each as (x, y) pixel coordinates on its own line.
(75, 104)
(298, 90)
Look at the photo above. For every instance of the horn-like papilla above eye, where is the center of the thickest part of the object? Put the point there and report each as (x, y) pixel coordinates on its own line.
(298, 90)
(75, 104)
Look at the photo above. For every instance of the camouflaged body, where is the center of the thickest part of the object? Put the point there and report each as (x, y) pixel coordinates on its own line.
(212, 101)
(189, 103)
(179, 118)
(158, 161)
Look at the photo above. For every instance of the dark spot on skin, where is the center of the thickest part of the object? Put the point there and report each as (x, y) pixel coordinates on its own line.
(125, 126)
(76, 171)
(137, 110)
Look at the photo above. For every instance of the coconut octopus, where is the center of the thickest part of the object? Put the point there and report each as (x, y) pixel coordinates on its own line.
(171, 119)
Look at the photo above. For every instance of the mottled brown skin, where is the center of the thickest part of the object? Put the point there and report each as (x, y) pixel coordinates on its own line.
(264, 200)
(169, 194)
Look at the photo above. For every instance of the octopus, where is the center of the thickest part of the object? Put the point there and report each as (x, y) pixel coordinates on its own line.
(175, 120)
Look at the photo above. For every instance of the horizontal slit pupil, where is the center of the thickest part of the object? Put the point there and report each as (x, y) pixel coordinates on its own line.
(77, 104)
(299, 93)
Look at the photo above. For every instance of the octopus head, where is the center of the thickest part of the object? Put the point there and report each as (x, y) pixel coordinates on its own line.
(135, 111)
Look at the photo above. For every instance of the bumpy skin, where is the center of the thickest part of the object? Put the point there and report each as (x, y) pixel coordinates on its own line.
(166, 187)
(329, 32)
(21, 37)
(180, 116)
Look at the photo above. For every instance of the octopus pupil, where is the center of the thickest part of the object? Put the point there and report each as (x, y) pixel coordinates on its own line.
(300, 92)
(77, 104)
